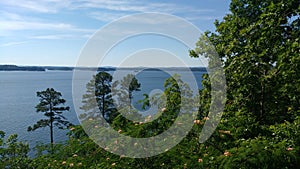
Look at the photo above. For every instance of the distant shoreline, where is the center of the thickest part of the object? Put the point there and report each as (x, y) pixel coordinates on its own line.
(64, 68)
(20, 68)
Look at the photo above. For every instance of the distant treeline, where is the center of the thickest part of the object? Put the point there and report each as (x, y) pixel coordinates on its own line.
(20, 68)
(64, 68)
(33, 68)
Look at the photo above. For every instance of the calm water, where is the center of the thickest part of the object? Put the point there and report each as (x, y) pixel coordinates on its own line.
(18, 99)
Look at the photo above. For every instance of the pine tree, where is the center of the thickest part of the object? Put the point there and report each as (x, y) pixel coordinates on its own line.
(98, 98)
(51, 104)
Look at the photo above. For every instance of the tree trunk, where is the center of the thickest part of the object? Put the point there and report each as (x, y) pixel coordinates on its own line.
(51, 127)
(51, 130)
(130, 97)
(103, 106)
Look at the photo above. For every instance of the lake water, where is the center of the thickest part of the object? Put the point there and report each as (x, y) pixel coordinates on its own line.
(18, 99)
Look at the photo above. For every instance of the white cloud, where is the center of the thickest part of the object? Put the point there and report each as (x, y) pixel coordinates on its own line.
(53, 6)
(29, 25)
(61, 36)
(112, 10)
(13, 21)
(112, 5)
(10, 15)
(43, 6)
(51, 37)
(152, 19)
(130, 6)
(22, 25)
(13, 25)
(104, 10)
(86, 36)
(106, 16)
(13, 43)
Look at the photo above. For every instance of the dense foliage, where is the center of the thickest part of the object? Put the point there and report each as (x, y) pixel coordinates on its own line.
(259, 46)
(258, 43)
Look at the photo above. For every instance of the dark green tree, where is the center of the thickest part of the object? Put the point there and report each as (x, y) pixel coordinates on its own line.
(145, 101)
(90, 106)
(103, 93)
(134, 85)
(125, 88)
(13, 154)
(123, 94)
(98, 98)
(258, 44)
(51, 104)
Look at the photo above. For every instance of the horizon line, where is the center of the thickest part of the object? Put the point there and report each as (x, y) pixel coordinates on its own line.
(107, 66)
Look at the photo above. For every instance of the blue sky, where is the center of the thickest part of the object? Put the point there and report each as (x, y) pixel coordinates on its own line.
(53, 32)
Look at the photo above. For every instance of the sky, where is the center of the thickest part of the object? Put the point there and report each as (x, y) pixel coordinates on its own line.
(54, 32)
